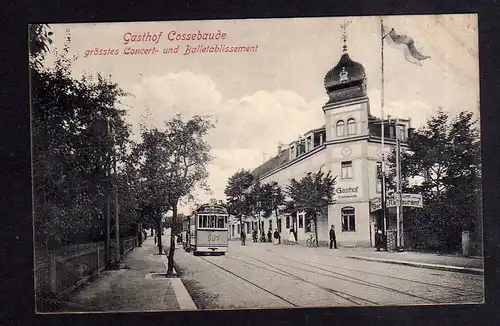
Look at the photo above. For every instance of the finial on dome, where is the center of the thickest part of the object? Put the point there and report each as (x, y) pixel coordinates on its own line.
(344, 35)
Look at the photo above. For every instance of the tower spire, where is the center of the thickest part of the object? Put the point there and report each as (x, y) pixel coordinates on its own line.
(344, 35)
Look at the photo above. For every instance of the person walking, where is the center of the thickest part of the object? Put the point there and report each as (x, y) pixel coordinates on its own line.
(333, 238)
(291, 236)
(243, 237)
(254, 235)
(269, 235)
(276, 237)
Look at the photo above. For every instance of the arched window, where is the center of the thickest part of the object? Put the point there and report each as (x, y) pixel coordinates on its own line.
(340, 128)
(351, 127)
(348, 218)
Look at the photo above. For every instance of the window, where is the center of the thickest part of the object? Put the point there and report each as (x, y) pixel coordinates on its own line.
(378, 177)
(204, 221)
(351, 127)
(301, 221)
(347, 170)
(220, 222)
(340, 128)
(401, 132)
(288, 222)
(238, 229)
(279, 225)
(348, 219)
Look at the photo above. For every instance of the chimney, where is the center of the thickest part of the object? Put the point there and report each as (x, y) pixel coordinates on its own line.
(280, 148)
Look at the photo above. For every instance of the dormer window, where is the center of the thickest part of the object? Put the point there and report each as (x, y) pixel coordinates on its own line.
(340, 128)
(351, 127)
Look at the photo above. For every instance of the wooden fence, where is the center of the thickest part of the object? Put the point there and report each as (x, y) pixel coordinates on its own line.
(62, 270)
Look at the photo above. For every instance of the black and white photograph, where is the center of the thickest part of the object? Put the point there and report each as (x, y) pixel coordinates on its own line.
(256, 164)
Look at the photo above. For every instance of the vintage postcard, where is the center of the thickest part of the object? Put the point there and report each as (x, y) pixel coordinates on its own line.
(256, 164)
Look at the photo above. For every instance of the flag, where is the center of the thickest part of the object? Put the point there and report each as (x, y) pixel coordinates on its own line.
(411, 53)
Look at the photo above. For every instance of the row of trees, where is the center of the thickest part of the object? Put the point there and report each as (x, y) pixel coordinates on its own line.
(73, 148)
(82, 149)
(246, 196)
(445, 155)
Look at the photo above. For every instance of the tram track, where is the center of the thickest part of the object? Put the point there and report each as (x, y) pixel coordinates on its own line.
(348, 278)
(340, 294)
(250, 282)
(456, 290)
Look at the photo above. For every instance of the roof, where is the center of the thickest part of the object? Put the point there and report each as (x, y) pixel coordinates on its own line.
(272, 164)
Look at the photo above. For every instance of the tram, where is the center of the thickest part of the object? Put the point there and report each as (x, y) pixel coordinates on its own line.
(205, 231)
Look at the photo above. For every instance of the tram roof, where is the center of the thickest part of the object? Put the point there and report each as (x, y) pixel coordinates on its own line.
(211, 209)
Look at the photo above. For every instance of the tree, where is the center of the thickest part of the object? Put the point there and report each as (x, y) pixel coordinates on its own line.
(312, 193)
(238, 196)
(187, 164)
(254, 198)
(272, 198)
(445, 153)
(39, 40)
(150, 158)
(72, 149)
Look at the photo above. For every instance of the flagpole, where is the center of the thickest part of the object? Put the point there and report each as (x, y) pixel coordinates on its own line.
(384, 219)
(398, 187)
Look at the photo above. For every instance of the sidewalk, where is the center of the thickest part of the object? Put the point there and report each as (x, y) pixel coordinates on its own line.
(451, 263)
(470, 265)
(129, 289)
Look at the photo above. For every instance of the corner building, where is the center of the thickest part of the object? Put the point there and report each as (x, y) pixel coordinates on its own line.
(350, 146)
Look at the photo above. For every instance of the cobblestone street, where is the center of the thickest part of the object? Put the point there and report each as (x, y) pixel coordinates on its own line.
(262, 275)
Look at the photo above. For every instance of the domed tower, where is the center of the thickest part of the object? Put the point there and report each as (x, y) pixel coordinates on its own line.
(345, 81)
(347, 109)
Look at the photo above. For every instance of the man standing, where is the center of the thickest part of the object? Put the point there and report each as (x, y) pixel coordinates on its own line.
(333, 238)
(243, 237)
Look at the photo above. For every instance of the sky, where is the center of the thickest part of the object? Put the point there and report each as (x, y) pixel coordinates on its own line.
(276, 93)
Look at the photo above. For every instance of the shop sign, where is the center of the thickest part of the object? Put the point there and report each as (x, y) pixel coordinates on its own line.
(347, 192)
(407, 200)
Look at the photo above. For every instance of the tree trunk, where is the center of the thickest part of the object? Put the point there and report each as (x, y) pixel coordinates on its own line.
(315, 219)
(241, 224)
(158, 233)
(170, 266)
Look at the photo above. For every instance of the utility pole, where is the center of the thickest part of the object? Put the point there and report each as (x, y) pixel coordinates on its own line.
(108, 196)
(384, 218)
(117, 219)
(399, 188)
(398, 183)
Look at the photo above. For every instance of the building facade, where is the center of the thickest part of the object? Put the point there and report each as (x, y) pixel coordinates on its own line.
(349, 144)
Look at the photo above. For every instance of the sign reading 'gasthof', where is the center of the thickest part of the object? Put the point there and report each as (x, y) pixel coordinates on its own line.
(347, 192)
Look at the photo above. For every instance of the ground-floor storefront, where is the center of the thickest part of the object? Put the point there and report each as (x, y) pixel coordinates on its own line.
(353, 222)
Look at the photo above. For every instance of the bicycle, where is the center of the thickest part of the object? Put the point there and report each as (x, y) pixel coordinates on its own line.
(312, 241)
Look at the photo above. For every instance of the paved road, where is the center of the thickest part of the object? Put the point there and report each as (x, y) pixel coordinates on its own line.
(266, 276)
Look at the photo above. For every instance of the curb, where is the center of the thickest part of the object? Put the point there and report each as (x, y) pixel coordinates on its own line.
(183, 298)
(448, 268)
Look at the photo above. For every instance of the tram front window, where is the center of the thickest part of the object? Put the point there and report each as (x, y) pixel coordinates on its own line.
(220, 222)
(211, 219)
